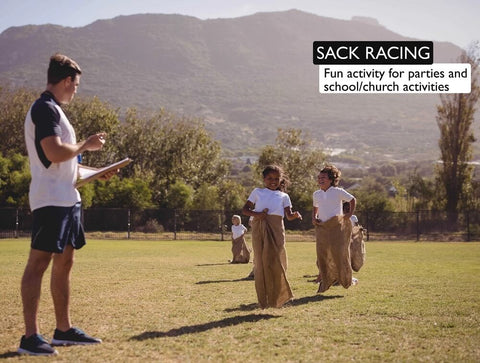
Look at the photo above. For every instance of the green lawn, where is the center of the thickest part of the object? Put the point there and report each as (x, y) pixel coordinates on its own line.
(181, 301)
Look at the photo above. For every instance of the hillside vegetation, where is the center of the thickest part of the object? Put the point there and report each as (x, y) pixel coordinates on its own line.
(244, 76)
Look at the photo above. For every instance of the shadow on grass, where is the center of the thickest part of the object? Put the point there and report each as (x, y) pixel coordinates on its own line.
(9, 355)
(244, 307)
(314, 278)
(309, 299)
(219, 281)
(192, 329)
(294, 302)
(214, 264)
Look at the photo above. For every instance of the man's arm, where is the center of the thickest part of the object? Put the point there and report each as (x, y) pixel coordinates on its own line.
(57, 151)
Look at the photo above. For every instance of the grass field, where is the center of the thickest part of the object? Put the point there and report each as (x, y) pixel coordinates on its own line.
(181, 301)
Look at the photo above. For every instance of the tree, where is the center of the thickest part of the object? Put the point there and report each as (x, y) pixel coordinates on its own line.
(14, 105)
(299, 160)
(89, 115)
(455, 115)
(179, 196)
(87, 193)
(207, 197)
(170, 148)
(232, 194)
(123, 193)
(14, 180)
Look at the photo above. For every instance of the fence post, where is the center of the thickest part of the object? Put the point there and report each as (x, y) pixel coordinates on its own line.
(418, 225)
(468, 226)
(128, 224)
(368, 227)
(175, 224)
(220, 222)
(16, 224)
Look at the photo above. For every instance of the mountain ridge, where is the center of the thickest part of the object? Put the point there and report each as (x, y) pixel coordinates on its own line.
(244, 76)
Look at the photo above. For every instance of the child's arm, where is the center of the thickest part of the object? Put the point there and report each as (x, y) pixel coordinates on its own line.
(247, 210)
(353, 203)
(315, 220)
(292, 215)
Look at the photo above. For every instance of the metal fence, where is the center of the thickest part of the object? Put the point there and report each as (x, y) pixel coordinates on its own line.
(173, 224)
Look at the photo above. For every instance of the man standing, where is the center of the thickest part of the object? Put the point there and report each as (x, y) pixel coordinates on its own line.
(55, 203)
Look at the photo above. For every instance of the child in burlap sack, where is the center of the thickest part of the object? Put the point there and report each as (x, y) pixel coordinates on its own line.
(240, 250)
(269, 206)
(333, 230)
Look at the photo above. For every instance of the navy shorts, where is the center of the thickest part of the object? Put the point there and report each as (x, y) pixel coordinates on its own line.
(56, 227)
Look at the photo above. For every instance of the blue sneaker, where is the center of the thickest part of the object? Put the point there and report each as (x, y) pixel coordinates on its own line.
(73, 336)
(35, 345)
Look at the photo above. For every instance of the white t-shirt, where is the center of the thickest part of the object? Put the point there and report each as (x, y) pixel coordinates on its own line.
(354, 220)
(53, 184)
(237, 231)
(275, 200)
(330, 203)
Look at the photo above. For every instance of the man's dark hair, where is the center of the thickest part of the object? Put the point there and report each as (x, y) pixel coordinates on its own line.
(61, 67)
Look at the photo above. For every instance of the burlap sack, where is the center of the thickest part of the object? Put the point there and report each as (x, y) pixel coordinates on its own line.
(240, 250)
(333, 239)
(357, 248)
(268, 240)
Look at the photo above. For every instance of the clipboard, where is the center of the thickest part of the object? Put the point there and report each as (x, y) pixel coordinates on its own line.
(88, 175)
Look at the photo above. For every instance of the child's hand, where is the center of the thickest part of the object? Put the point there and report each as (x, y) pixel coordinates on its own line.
(262, 215)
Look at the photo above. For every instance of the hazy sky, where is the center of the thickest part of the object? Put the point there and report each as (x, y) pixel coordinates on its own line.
(456, 21)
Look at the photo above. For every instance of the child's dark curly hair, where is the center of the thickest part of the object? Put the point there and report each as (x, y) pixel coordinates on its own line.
(284, 181)
(333, 174)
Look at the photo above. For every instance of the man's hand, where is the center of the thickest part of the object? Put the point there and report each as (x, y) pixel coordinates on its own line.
(109, 174)
(95, 142)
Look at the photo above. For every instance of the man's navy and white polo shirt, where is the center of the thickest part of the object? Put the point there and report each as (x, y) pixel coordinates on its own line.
(53, 184)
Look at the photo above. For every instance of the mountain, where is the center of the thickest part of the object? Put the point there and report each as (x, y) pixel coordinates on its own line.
(244, 76)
